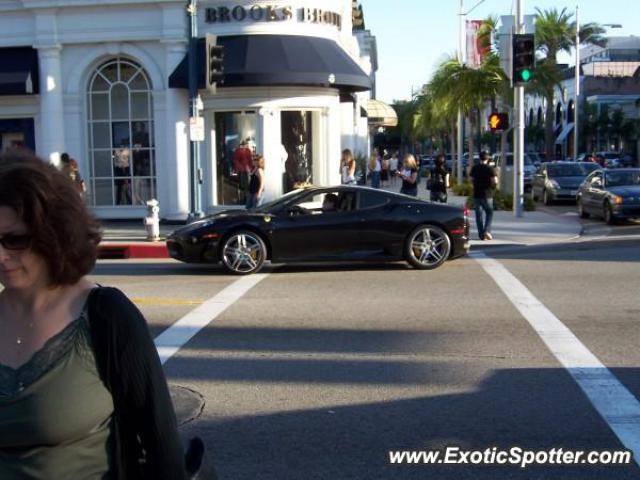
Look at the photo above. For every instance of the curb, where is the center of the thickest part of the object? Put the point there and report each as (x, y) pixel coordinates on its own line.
(124, 250)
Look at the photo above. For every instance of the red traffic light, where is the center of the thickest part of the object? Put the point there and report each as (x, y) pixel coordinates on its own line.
(498, 122)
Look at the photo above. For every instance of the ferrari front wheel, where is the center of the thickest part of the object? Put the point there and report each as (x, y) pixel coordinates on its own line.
(427, 247)
(243, 252)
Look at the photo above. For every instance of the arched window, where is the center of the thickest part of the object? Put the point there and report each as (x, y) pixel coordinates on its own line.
(121, 142)
(558, 113)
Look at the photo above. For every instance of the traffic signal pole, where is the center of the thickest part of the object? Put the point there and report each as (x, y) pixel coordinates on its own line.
(518, 133)
(459, 139)
(195, 171)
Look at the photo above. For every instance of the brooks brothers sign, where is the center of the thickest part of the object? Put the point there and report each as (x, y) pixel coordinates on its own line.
(271, 13)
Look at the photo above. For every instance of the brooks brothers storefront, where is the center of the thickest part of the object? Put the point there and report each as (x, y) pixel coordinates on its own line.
(108, 84)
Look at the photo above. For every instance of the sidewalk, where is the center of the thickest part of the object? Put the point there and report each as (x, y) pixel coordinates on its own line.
(533, 228)
(127, 239)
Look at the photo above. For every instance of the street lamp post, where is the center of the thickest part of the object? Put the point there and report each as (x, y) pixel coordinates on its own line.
(461, 35)
(195, 172)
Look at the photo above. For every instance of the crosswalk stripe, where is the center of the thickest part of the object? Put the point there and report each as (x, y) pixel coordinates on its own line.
(617, 406)
(176, 336)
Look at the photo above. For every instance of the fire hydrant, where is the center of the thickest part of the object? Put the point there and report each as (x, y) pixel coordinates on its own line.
(152, 220)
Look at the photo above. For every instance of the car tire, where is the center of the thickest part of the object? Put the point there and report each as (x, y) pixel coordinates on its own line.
(607, 214)
(546, 198)
(427, 247)
(581, 211)
(243, 252)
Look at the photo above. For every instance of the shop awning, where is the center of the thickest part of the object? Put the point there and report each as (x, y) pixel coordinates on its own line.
(564, 133)
(19, 71)
(280, 60)
(380, 114)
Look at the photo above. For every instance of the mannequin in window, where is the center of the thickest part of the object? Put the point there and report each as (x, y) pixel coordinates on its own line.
(121, 162)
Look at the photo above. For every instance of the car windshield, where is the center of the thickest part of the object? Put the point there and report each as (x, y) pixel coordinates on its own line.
(571, 170)
(287, 197)
(620, 178)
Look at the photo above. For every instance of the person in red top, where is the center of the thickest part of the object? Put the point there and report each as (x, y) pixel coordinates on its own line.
(242, 164)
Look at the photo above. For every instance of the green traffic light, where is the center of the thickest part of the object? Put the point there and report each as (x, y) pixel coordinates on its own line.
(526, 75)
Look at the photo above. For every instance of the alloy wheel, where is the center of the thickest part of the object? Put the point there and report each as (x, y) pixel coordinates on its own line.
(243, 252)
(427, 247)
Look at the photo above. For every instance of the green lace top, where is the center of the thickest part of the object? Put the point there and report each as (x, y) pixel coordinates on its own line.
(55, 413)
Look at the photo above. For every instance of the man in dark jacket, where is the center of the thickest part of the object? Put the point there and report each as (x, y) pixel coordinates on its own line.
(484, 180)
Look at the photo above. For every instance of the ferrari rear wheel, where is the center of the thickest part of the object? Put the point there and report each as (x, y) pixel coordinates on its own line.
(243, 252)
(427, 247)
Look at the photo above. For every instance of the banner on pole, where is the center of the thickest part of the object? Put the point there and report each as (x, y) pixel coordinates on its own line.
(475, 51)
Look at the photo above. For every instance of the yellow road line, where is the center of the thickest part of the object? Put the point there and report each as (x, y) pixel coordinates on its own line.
(164, 301)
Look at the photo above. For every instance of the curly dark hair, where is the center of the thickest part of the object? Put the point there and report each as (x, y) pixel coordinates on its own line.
(65, 234)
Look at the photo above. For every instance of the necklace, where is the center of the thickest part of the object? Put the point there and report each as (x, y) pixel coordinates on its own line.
(20, 338)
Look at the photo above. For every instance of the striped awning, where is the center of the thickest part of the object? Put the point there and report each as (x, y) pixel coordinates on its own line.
(380, 114)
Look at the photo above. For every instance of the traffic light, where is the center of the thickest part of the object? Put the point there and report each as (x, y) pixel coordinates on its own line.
(498, 122)
(214, 63)
(524, 58)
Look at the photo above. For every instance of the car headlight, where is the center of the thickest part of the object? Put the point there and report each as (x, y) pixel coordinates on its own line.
(554, 184)
(617, 199)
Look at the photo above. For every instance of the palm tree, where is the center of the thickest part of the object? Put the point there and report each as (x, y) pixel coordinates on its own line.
(555, 33)
(455, 86)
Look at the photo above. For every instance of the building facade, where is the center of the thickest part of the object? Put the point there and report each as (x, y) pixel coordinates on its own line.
(107, 82)
(609, 82)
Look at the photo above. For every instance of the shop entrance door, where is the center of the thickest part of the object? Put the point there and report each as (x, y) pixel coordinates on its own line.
(296, 137)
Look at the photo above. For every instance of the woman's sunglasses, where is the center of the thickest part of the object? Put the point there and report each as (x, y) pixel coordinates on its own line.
(16, 242)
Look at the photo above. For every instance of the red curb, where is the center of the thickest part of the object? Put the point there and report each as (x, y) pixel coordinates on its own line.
(123, 250)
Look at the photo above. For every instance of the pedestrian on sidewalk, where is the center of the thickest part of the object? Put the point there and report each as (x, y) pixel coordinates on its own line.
(438, 181)
(375, 167)
(256, 183)
(409, 175)
(347, 168)
(484, 180)
(82, 390)
(393, 168)
(384, 173)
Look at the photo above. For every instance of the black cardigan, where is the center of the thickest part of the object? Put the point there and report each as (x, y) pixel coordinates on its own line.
(145, 425)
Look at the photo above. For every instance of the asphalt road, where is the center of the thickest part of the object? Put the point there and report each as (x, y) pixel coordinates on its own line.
(316, 372)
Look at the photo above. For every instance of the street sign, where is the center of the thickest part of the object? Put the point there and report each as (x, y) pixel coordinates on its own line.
(196, 129)
(498, 121)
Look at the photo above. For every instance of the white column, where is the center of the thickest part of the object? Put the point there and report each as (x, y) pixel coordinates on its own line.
(51, 104)
(268, 143)
(173, 162)
(331, 159)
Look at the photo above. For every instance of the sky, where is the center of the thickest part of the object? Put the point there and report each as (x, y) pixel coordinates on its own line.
(413, 36)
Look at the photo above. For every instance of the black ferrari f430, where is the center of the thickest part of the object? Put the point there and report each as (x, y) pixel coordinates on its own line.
(327, 224)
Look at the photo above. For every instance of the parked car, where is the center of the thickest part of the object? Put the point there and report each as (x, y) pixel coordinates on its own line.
(559, 180)
(538, 158)
(610, 194)
(506, 167)
(363, 223)
(451, 160)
